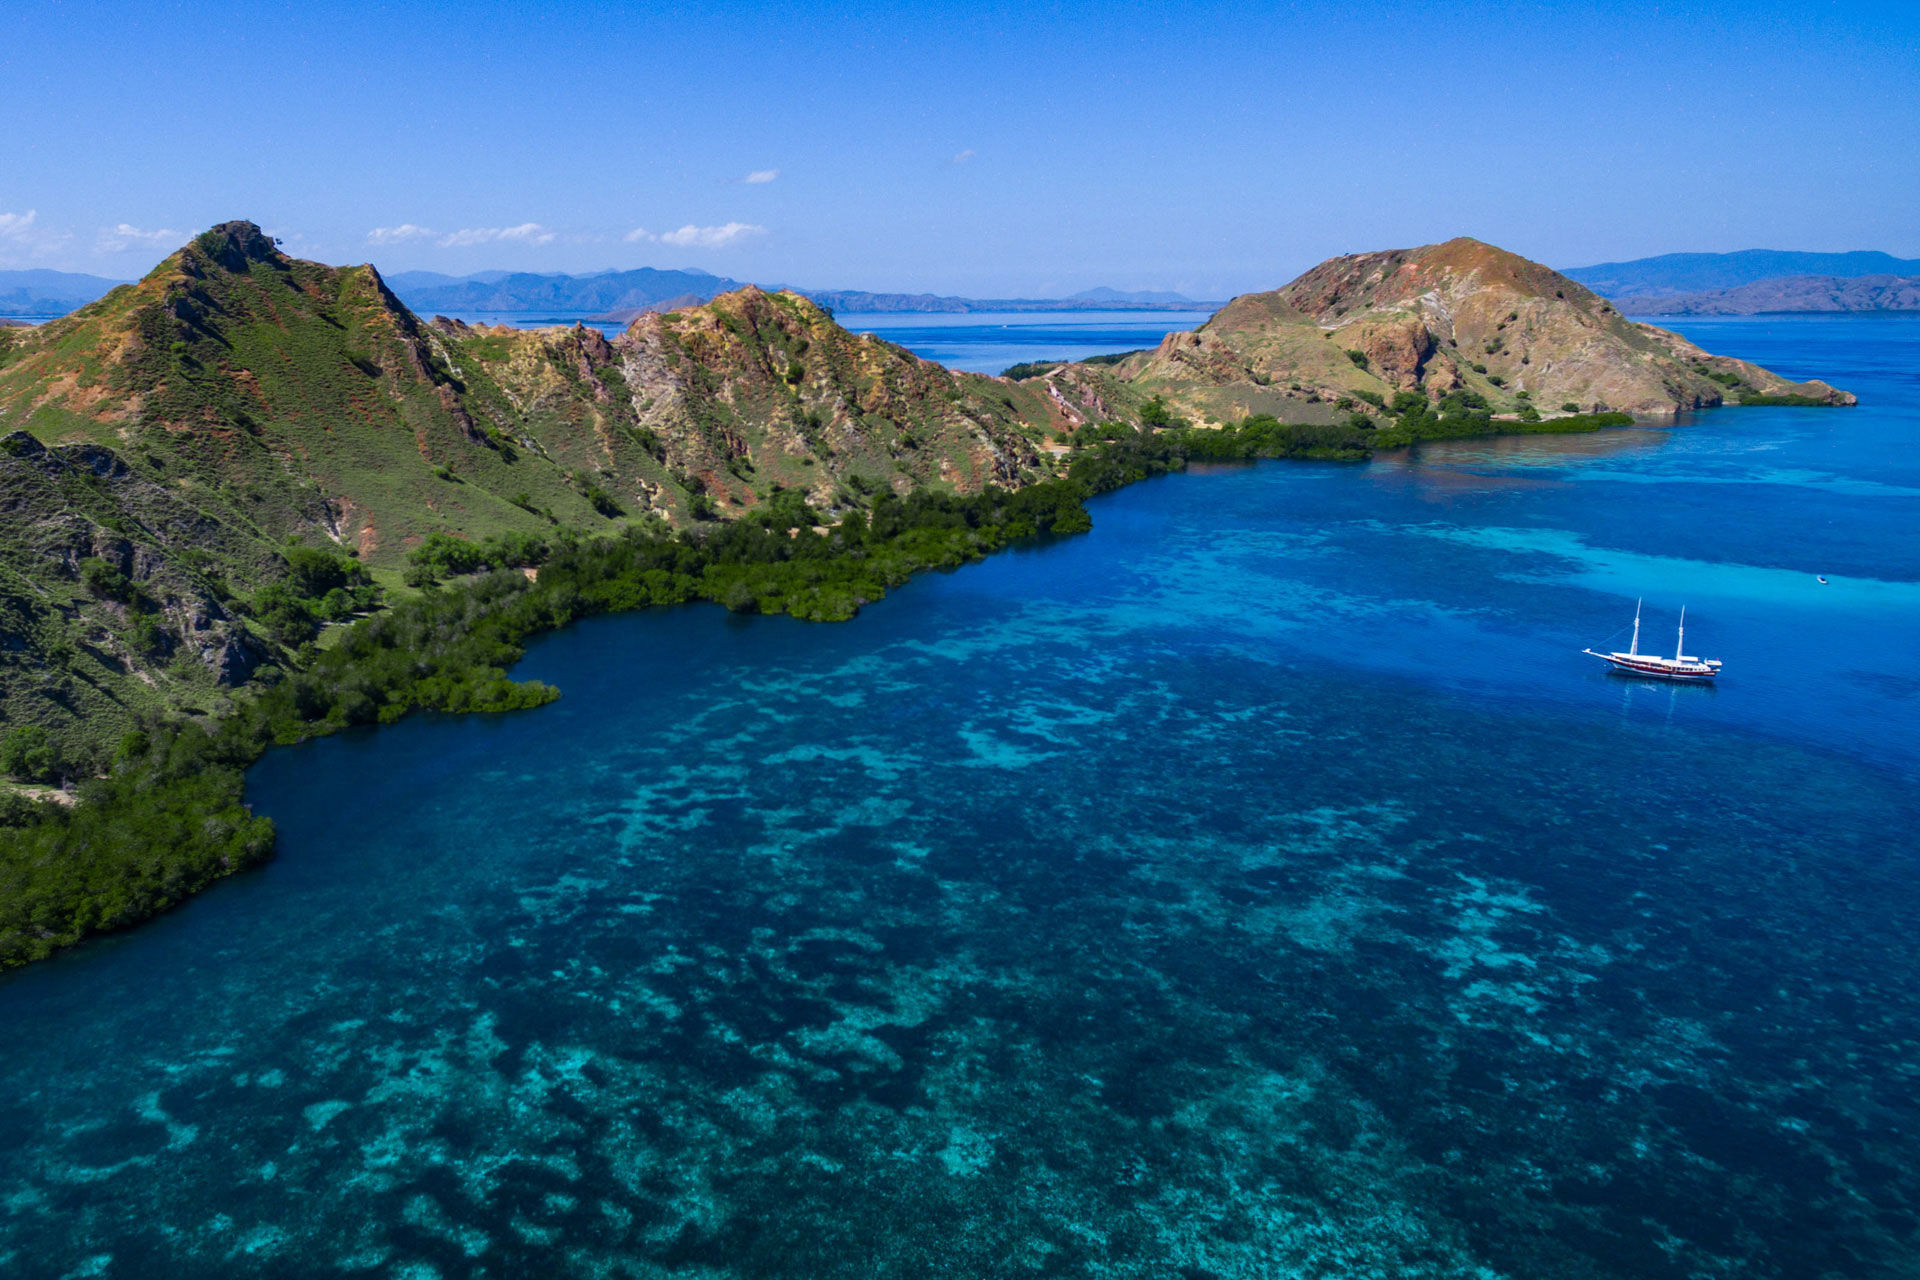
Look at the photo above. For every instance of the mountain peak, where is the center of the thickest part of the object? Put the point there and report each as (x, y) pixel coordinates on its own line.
(234, 245)
(1340, 289)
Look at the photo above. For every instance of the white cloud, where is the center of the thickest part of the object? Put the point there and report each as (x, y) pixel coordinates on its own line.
(692, 237)
(963, 156)
(126, 236)
(525, 233)
(24, 239)
(395, 235)
(759, 176)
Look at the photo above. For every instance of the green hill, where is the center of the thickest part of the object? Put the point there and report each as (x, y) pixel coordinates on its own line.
(168, 446)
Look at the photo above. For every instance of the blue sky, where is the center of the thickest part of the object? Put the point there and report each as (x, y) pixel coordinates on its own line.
(1020, 149)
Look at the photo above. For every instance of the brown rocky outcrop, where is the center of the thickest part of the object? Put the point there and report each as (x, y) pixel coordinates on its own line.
(1396, 350)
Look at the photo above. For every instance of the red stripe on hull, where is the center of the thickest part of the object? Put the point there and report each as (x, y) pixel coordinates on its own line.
(1659, 673)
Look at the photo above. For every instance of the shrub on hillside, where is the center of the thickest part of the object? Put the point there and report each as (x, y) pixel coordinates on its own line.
(105, 581)
(28, 754)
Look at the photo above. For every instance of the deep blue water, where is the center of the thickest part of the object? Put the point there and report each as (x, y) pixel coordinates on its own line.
(1261, 885)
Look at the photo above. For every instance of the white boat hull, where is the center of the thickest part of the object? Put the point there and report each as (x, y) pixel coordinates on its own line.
(1638, 664)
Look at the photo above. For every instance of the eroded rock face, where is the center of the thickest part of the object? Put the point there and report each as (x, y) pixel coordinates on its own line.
(1440, 376)
(229, 654)
(1396, 350)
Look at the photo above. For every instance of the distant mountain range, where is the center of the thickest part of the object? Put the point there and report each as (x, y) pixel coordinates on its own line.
(608, 291)
(623, 295)
(1693, 273)
(1787, 294)
(48, 293)
(605, 295)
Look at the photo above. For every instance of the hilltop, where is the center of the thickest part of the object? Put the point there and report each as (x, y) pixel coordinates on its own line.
(1462, 322)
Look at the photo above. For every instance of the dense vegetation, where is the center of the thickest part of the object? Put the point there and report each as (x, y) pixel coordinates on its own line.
(1791, 401)
(168, 817)
(1462, 414)
(1263, 436)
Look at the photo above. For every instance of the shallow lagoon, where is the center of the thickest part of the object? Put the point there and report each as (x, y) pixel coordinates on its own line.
(1260, 885)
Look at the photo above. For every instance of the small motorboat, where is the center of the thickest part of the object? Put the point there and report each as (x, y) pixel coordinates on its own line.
(1678, 667)
(1820, 579)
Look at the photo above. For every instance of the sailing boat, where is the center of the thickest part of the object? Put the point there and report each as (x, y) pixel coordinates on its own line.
(1678, 667)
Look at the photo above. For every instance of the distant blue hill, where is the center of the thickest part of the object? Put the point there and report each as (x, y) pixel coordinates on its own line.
(435, 279)
(48, 293)
(1148, 297)
(623, 294)
(1676, 273)
(428, 292)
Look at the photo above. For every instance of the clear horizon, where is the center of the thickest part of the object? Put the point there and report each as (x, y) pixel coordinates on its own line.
(995, 153)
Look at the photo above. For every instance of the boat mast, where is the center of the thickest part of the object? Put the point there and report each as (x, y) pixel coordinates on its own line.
(1680, 645)
(1633, 649)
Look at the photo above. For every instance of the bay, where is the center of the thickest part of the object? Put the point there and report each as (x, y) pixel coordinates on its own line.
(1262, 884)
(991, 342)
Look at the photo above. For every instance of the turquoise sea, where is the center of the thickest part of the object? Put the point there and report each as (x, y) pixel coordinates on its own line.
(1262, 885)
